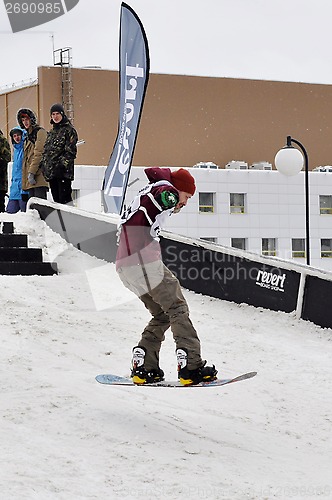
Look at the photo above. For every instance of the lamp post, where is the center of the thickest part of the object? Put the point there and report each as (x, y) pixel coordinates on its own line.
(289, 161)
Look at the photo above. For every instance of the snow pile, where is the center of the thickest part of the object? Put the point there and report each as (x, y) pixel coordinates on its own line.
(63, 436)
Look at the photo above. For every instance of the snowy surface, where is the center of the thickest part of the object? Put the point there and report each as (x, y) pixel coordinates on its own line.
(65, 437)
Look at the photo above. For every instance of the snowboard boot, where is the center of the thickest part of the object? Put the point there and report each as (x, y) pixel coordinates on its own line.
(193, 377)
(138, 372)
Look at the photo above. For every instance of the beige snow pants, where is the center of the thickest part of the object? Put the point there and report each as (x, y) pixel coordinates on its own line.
(160, 292)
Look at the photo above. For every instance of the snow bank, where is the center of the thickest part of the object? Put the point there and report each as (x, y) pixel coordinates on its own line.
(64, 436)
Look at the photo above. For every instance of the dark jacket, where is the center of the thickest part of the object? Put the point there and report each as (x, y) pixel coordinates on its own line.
(60, 151)
(5, 156)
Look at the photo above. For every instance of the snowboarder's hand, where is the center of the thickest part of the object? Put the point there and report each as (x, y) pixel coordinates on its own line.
(31, 179)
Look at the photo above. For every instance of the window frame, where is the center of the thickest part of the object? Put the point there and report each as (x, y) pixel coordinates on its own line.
(270, 252)
(209, 239)
(244, 240)
(237, 208)
(75, 195)
(327, 252)
(325, 210)
(206, 208)
(298, 254)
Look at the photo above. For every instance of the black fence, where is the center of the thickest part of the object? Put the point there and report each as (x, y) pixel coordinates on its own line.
(317, 301)
(230, 277)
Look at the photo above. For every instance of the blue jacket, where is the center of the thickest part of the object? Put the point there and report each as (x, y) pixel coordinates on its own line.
(16, 182)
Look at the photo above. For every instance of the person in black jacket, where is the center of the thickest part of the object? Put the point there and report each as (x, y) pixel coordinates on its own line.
(59, 154)
(5, 156)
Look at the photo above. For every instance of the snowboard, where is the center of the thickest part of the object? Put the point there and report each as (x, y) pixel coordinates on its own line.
(110, 379)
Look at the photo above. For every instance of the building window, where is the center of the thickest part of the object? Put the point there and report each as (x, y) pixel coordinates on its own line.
(298, 248)
(269, 246)
(325, 204)
(209, 238)
(206, 202)
(326, 248)
(240, 243)
(237, 203)
(75, 194)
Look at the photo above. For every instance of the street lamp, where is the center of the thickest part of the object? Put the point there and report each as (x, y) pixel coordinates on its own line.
(289, 161)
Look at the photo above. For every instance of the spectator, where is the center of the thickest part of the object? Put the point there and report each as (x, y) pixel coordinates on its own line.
(17, 197)
(5, 156)
(33, 179)
(59, 154)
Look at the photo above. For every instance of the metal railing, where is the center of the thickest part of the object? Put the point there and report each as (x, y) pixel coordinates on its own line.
(18, 85)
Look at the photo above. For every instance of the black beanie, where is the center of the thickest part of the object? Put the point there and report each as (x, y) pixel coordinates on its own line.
(58, 108)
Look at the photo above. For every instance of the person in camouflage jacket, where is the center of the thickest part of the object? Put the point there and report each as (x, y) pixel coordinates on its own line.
(59, 154)
(5, 156)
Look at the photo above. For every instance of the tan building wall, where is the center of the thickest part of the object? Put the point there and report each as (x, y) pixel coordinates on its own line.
(12, 101)
(187, 119)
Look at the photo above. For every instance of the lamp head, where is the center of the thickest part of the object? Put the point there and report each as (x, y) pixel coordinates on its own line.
(289, 161)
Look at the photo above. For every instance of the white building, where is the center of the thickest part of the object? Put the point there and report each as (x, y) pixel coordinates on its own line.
(260, 211)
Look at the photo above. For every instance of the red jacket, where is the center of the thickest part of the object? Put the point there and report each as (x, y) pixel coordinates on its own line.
(136, 244)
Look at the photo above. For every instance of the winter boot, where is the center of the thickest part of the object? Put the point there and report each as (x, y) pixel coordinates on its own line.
(138, 372)
(193, 377)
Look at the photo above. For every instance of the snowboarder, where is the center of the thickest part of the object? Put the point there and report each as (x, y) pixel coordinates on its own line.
(140, 268)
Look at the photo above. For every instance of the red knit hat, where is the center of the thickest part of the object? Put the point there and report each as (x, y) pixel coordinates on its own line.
(182, 180)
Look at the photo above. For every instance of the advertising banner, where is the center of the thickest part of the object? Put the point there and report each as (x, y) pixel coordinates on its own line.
(134, 75)
(228, 277)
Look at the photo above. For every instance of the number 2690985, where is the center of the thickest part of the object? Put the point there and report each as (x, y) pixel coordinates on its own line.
(34, 8)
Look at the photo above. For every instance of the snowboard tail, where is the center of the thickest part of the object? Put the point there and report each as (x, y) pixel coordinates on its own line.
(110, 379)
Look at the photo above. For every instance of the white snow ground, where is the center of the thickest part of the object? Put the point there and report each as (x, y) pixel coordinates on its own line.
(64, 436)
